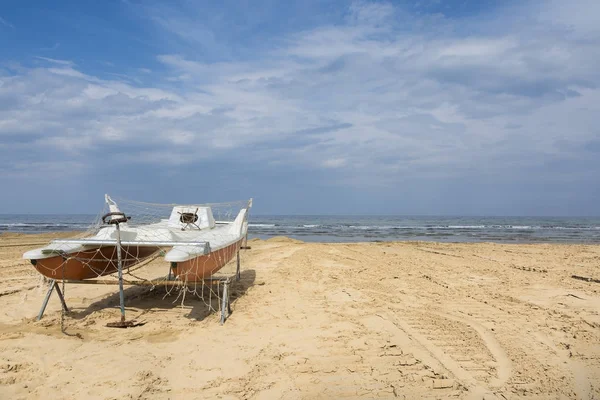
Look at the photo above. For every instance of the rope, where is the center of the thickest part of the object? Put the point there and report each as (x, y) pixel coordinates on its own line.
(152, 219)
(171, 205)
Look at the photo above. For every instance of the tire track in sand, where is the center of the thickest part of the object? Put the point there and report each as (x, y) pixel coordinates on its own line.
(531, 349)
(465, 348)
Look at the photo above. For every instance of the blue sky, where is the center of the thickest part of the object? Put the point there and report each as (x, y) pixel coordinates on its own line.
(316, 107)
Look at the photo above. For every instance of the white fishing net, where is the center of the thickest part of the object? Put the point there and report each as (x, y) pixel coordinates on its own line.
(190, 244)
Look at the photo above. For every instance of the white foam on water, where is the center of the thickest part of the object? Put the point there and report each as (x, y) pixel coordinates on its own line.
(466, 227)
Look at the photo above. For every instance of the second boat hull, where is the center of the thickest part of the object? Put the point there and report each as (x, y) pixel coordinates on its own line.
(204, 266)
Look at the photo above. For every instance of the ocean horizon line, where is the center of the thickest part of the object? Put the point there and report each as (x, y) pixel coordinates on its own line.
(348, 215)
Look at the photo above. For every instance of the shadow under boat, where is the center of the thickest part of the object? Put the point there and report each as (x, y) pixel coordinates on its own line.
(148, 300)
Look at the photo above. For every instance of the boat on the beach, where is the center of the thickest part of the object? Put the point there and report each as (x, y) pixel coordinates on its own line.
(195, 245)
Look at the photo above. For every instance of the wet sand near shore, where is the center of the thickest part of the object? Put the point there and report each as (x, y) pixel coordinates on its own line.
(318, 320)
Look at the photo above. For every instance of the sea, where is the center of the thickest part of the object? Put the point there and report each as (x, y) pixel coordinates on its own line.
(318, 228)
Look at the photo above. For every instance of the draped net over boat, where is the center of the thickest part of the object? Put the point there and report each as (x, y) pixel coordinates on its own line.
(196, 240)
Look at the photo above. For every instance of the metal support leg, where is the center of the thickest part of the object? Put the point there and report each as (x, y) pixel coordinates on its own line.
(61, 297)
(237, 272)
(45, 303)
(51, 287)
(225, 309)
(120, 269)
(122, 323)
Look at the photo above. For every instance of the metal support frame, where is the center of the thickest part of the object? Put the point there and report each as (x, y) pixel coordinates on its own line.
(120, 270)
(238, 273)
(168, 281)
(225, 304)
(225, 308)
(53, 286)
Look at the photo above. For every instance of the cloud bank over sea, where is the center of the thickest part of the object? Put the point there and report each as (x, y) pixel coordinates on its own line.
(466, 108)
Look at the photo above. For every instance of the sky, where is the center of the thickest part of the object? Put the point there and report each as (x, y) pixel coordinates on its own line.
(459, 107)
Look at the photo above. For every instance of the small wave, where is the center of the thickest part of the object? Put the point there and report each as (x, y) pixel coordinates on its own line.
(345, 227)
(38, 225)
(16, 224)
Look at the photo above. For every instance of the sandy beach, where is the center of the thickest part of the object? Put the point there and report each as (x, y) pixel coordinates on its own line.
(319, 320)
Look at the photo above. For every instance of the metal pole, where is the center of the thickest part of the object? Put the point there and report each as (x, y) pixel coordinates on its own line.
(45, 303)
(237, 272)
(120, 267)
(53, 285)
(60, 296)
(225, 302)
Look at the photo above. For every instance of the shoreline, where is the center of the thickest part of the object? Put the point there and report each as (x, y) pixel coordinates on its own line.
(65, 234)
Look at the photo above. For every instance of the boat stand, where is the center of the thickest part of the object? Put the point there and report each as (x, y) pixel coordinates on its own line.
(225, 304)
(53, 286)
(225, 308)
(226, 281)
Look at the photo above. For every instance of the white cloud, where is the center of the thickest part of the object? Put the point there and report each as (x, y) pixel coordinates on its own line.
(366, 99)
(56, 61)
(43, 170)
(334, 163)
(579, 18)
(6, 23)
